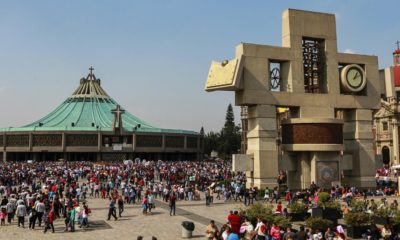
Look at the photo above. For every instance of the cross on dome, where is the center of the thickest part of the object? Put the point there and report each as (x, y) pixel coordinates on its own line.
(117, 117)
(91, 75)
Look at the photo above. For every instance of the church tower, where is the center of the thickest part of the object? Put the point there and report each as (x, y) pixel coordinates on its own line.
(396, 68)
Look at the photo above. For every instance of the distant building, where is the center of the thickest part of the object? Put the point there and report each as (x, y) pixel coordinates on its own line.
(91, 126)
(386, 123)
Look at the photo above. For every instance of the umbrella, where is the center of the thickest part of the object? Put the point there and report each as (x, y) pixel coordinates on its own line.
(128, 162)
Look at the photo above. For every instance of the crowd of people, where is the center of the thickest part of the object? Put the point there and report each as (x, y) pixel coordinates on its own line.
(41, 192)
(34, 195)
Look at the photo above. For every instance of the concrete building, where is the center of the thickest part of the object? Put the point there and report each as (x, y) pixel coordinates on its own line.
(90, 125)
(325, 133)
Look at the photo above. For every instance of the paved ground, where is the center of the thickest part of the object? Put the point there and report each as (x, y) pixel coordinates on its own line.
(160, 224)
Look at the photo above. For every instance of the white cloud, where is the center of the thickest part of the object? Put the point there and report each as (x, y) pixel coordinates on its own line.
(349, 51)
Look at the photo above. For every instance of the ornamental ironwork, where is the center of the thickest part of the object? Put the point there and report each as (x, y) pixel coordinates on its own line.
(77, 140)
(275, 76)
(191, 142)
(17, 140)
(174, 141)
(313, 64)
(1, 140)
(148, 141)
(47, 140)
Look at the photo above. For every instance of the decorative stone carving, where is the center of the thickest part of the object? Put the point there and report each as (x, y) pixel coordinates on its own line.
(312, 133)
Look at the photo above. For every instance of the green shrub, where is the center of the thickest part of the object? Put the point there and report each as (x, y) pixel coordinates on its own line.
(356, 219)
(318, 223)
(325, 201)
(333, 205)
(261, 193)
(259, 210)
(265, 212)
(357, 206)
(298, 207)
(396, 219)
(383, 212)
(323, 197)
(281, 221)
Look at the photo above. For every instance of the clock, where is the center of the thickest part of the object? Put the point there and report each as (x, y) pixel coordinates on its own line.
(352, 78)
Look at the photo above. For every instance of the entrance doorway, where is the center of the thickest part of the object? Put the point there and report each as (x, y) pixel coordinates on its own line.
(385, 155)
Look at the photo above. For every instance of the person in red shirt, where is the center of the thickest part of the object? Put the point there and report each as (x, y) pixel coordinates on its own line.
(235, 221)
(278, 209)
(49, 221)
(275, 232)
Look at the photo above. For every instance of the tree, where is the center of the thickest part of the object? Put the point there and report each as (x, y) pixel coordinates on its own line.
(230, 134)
(211, 141)
(227, 141)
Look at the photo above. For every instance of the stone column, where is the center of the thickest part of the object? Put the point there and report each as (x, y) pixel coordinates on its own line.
(262, 145)
(395, 137)
(163, 142)
(305, 169)
(4, 156)
(133, 142)
(358, 141)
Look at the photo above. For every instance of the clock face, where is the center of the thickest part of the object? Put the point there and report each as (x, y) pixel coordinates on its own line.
(354, 77)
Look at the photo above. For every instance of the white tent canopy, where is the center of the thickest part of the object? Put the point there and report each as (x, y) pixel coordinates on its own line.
(396, 166)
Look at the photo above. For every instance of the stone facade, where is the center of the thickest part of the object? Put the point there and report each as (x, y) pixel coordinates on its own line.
(386, 119)
(323, 92)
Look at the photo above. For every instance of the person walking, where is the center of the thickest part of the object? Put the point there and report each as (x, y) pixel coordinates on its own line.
(85, 215)
(72, 219)
(172, 204)
(111, 210)
(211, 231)
(261, 229)
(10, 207)
(32, 218)
(39, 207)
(21, 213)
(120, 206)
(49, 219)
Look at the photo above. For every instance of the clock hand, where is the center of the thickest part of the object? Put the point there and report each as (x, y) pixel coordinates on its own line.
(355, 76)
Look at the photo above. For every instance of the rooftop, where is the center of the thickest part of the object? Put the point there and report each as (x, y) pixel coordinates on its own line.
(90, 108)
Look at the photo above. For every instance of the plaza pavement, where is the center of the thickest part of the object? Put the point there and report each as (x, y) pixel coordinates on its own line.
(132, 223)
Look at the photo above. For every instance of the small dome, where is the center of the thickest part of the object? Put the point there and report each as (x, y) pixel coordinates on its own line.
(397, 51)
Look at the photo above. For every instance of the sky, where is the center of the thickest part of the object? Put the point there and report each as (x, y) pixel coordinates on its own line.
(153, 56)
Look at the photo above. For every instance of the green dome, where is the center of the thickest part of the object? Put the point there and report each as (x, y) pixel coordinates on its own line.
(91, 109)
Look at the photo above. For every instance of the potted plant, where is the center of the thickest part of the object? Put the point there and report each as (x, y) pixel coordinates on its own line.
(298, 211)
(327, 208)
(382, 216)
(357, 223)
(395, 221)
(318, 223)
(265, 212)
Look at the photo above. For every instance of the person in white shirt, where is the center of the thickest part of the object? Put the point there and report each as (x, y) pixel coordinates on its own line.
(40, 208)
(21, 213)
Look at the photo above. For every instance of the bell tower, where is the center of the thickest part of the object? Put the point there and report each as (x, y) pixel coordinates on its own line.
(323, 134)
(396, 55)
